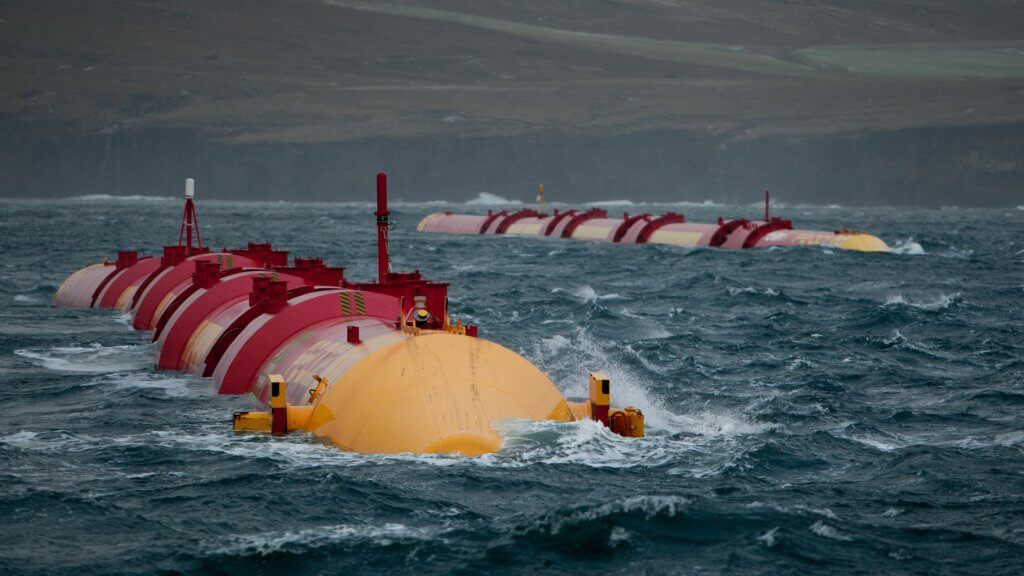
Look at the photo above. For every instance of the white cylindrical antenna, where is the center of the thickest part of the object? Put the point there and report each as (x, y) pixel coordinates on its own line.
(190, 188)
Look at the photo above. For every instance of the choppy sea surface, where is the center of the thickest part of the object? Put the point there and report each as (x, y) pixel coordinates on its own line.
(808, 410)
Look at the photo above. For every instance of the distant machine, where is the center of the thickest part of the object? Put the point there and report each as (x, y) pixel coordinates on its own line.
(668, 228)
(369, 366)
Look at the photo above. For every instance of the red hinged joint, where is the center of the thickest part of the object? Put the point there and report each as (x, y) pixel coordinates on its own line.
(277, 297)
(127, 259)
(206, 274)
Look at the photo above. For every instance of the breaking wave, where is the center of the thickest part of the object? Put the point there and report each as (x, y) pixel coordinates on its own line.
(908, 247)
(94, 357)
(488, 199)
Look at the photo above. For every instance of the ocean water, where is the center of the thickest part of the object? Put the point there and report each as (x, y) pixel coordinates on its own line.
(808, 410)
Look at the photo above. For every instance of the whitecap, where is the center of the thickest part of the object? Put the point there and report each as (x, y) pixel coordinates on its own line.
(24, 299)
(312, 538)
(708, 423)
(92, 358)
(768, 538)
(826, 531)
(908, 247)
(172, 387)
(488, 199)
(943, 301)
(650, 506)
(124, 198)
(587, 295)
(610, 203)
(734, 291)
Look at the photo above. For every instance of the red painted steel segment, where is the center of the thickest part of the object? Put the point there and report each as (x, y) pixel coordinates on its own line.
(491, 217)
(579, 218)
(515, 217)
(239, 367)
(764, 229)
(739, 236)
(125, 259)
(452, 223)
(705, 232)
(77, 289)
(556, 219)
(324, 349)
(601, 229)
(725, 229)
(627, 223)
(174, 280)
(257, 306)
(205, 277)
(200, 305)
(667, 218)
(126, 279)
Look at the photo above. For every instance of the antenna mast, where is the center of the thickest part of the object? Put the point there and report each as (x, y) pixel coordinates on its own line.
(383, 255)
(190, 221)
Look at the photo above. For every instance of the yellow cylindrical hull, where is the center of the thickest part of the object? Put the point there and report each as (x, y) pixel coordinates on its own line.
(434, 393)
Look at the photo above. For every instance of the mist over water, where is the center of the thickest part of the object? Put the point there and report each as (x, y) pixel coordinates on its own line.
(807, 409)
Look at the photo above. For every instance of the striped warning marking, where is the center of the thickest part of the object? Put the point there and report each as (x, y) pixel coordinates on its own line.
(352, 301)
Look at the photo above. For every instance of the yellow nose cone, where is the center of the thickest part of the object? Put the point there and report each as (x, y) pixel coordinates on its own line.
(862, 243)
(434, 393)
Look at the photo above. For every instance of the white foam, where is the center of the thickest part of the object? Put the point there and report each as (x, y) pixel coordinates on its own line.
(125, 198)
(94, 358)
(45, 442)
(23, 299)
(587, 295)
(172, 387)
(941, 302)
(734, 291)
(709, 423)
(651, 506)
(610, 203)
(908, 247)
(320, 536)
(826, 531)
(488, 199)
(768, 538)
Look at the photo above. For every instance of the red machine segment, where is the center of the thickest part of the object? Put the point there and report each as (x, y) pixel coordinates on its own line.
(766, 228)
(78, 289)
(170, 282)
(237, 369)
(325, 350)
(179, 325)
(683, 234)
(503, 226)
(559, 217)
(565, 229)
(488, 225)
(448, 223)
(602, 229)
(737, 237)
(124, 281)
(627, 223)
(654, 224)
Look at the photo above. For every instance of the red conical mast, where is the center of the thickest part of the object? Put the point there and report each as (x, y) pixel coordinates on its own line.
(190, 221)
(383, 256)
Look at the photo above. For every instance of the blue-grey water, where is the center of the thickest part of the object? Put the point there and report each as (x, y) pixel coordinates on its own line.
(809, 410)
